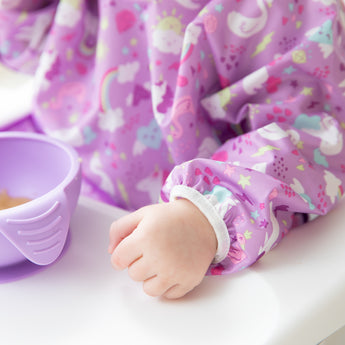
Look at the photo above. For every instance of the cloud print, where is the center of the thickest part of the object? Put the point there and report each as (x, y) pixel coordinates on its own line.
(304, 121)
(111, 120)
(127, 72)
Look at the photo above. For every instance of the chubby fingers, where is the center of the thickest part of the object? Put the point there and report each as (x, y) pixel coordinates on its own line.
(123, 227)
(158, 287)
(126, 252)
(141, 270)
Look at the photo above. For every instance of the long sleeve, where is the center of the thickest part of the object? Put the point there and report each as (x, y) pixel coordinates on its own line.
(280, 126)
(254, 90)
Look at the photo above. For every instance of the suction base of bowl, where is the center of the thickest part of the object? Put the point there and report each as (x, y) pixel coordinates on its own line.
(26, 268)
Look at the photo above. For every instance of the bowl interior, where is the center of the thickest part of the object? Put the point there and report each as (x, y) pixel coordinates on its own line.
(31, 168)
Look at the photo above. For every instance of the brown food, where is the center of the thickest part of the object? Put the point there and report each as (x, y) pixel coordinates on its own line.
(7, 201)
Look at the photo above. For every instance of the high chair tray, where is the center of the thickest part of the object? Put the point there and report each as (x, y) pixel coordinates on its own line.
(293, 295)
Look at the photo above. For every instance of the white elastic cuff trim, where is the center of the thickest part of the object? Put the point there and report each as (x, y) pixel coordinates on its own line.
(219, 227)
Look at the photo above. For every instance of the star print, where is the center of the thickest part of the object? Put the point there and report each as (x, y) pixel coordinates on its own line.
(289, 70)
(307, 91)
(244, 181)
(219, 8)
(300, 145)
(263, 223)
(254, 214)
(247, 235)
(229, 170)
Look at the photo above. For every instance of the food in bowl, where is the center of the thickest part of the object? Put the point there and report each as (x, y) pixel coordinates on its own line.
(7, 201)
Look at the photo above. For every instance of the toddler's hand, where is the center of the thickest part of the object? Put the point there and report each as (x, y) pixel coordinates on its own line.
(168, 247)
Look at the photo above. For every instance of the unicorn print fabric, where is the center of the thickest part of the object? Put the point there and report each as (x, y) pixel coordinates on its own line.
(238, 106)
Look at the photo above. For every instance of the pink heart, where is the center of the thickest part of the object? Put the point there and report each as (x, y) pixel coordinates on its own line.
(285, 20)
(277, 110)
(208, 171)
(182, 81)
(216, 180)
(125, 20)
(295, 152)
(224, 82)
(206, 180)
(281, 119)
(221, 156)
(81, 68)
(197, 172)
(270, 116)
(288, 112)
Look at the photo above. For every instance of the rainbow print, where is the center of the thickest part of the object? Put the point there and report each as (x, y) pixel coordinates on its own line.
(85, 50)
(186, 53)
(106, 81)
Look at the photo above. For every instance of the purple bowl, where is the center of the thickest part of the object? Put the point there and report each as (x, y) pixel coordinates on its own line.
(48, 172)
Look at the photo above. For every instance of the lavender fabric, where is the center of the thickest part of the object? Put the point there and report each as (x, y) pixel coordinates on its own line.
(236, 105)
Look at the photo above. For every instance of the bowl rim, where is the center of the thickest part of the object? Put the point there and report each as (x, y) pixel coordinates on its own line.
(75, 160)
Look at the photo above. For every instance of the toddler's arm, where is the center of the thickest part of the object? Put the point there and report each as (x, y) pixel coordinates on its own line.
(168, 247)
(291, 158)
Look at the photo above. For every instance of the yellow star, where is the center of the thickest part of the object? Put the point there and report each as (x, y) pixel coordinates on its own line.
(248, 235)
(244, 181)
(300, 145)
(307, 91)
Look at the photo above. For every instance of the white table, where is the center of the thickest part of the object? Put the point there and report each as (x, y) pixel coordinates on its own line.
(16, 92)
(294, 295)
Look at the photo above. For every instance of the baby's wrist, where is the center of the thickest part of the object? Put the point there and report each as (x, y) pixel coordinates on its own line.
(198, 222)
(209, 210)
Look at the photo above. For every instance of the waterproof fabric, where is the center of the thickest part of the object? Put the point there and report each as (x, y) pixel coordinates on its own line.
(236, 105)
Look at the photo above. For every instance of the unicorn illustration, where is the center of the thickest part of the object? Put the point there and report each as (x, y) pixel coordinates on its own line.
(96, 167)
(152, 184)
(271, 240)
(247, 26)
